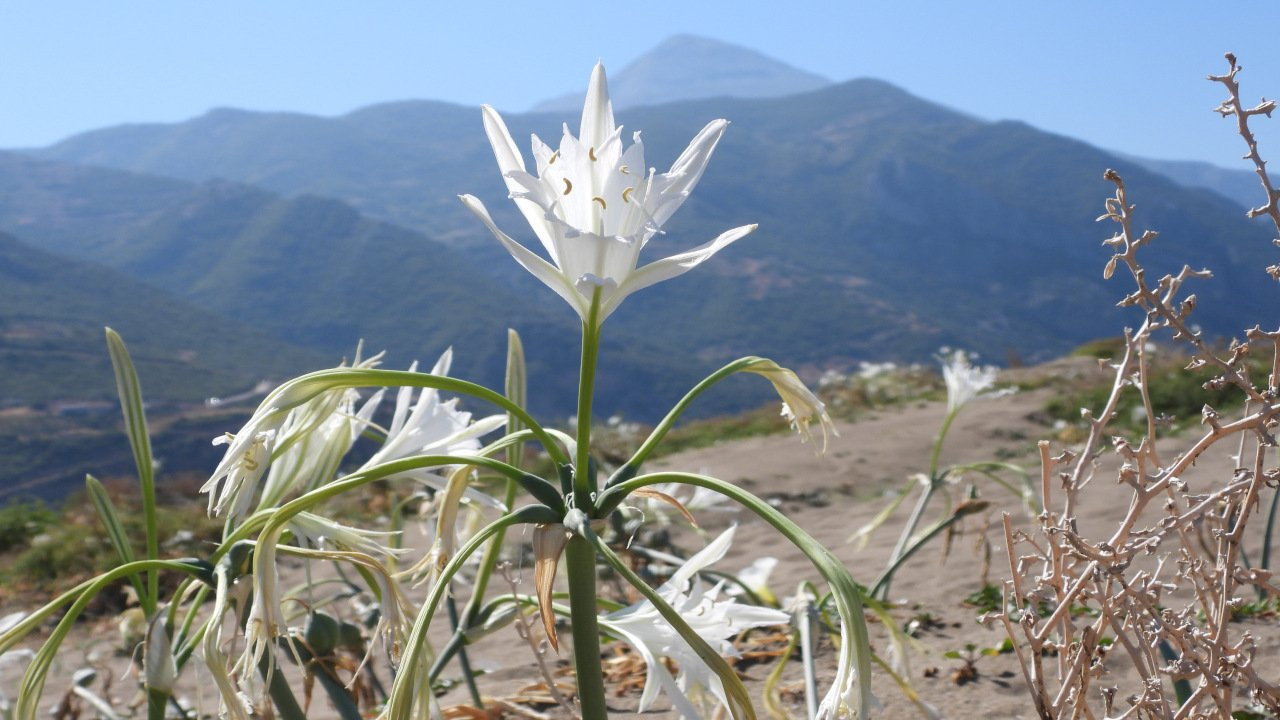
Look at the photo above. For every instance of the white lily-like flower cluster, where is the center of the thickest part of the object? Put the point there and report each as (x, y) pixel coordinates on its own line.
(714, 618)
(300, 446)
(282, 421)
(593, 206)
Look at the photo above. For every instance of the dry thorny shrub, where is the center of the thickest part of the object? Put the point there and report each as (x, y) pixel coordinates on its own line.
(1169, 579)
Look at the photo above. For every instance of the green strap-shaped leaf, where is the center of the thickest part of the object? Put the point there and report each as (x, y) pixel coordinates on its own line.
(115, 529)
(135, 423)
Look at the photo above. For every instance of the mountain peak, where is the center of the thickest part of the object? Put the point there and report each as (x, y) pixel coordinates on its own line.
(688, 67)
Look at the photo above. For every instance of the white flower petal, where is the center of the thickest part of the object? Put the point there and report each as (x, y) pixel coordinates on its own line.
(597, 110)
(673, 266)
(541, 269)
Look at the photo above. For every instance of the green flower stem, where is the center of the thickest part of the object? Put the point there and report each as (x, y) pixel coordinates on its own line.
(921, 505)
(281, 694)
(184, 631)
(464, 662)
(301, 389)
(642, 453)
(488, 562)
(404, 692)
(580, 568)
(845, 590)
(156, 702)
(539, 488)
(881, 588)
(937, 444)
(583, 483)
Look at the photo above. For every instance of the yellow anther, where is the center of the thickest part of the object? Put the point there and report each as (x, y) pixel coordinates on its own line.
(599, 200)
(624, 170)
(551, 160)
(591, 153)
(625, 193)
(567, 186)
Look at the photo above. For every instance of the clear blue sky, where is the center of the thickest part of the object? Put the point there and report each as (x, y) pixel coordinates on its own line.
(1124, 75)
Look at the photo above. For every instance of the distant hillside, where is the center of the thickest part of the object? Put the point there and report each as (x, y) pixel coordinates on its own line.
(888, 225)
(52, 346)
(1240, 186)
(689, 67)
(313, 272)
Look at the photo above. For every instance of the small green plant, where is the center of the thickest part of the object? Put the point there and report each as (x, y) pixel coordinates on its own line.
(968, 672)
(964, 383)
(22, 520)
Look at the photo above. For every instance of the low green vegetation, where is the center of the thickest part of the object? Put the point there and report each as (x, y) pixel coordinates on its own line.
(1177, 397)
(43, 547)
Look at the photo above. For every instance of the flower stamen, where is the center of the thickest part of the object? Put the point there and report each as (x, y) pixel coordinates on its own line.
(600, 200)
(568, 186)
(552, 160)
(625, 193)
(591, 153)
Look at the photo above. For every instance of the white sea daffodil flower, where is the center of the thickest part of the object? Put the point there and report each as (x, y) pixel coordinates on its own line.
(716, 620)
(965, 381)
(430, 426)
(594, 207)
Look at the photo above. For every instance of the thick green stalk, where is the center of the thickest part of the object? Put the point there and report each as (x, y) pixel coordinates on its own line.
(580, 567)
(583, 487)
(281, 694)
(937, 444)
(156, 703)
(934, 481)
(464, 662)
(735, 692)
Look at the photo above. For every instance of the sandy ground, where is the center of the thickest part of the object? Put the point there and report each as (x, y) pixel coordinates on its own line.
(831, 497)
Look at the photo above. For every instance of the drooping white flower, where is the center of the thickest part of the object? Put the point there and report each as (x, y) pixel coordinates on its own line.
(716, 620)
(593, 206)
(799, 405)
(965, 381)
(286, 416)
(319, 532)
(313, 458)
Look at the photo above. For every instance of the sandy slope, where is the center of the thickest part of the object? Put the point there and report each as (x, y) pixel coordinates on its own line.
(831, 497)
